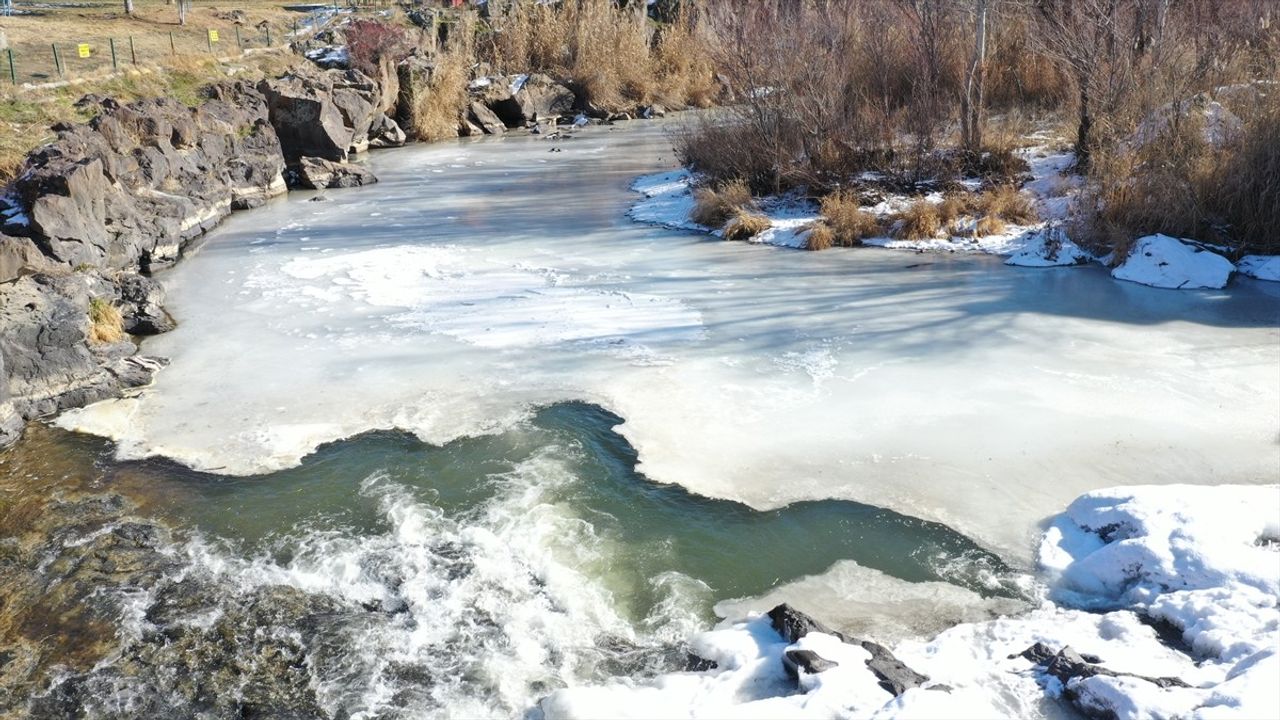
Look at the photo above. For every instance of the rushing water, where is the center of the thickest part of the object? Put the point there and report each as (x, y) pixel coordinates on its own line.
(447, 443)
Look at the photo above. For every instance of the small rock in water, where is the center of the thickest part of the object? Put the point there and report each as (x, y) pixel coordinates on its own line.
(807, 661)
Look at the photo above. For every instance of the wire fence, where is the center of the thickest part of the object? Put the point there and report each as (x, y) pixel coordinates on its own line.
(79, 52)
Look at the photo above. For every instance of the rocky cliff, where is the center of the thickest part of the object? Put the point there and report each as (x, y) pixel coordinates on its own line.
(111, 201)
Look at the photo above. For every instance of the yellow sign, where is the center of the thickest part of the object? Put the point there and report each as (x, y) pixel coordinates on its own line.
(83, 50)
(213, 36)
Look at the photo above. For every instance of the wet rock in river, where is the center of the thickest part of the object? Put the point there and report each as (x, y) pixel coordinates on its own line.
(894, 676)
(319, 174)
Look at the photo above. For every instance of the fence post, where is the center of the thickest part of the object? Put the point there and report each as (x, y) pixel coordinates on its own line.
(57, 61)
(133, 54)
(239, 44)
(114, 64)
(208, 38)
(172, 48)
(268, 36)
(13, 72)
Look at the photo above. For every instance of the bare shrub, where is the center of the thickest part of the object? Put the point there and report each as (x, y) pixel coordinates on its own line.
(369, 42)
(746, 225)
(848, 222)
(920, 221)
(819, 237)
(713, 207)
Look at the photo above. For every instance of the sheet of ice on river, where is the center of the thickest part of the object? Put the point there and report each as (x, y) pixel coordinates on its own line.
(480, 279)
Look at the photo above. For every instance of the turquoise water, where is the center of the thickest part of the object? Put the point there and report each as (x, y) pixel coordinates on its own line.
(651, 528)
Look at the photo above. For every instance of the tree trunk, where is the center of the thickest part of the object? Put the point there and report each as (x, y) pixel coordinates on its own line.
(128, 7)
(182, 12)
(1084, 140)
(971, 103)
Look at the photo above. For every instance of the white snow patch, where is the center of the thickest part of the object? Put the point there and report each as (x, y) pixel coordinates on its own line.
(1167, 262)
(1129, 551)
(1260, 267)
(1048, 247)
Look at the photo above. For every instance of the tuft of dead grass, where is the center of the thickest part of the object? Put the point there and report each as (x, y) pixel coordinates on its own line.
(437, 108)
(106, 324)
(746, 225)
(820, 237)
(989, 225)
(920, 221)
(1008, 204)
(713, 207)
(848, 222)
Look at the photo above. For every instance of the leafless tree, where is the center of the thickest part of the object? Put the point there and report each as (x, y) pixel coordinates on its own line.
(975, 78)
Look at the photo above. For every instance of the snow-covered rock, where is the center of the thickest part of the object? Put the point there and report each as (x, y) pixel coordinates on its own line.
(331, 57)
(1049, 247)
(1261, 267)
(1167, 262)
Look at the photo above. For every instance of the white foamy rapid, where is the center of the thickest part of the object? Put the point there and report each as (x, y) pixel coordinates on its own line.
(476, 615)
(1204, 560)
(479, 280)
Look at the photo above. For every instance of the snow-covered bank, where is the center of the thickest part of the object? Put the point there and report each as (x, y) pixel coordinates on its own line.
(1157, 260)
(1117, 565)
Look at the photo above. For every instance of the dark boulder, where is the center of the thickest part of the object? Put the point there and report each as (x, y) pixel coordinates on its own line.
(480, 115)
(385, 133)
(523, 99)
(894, 676)
(142, 305)
(322, 113)
(1072, 669)
(320, 174)
(806, 661)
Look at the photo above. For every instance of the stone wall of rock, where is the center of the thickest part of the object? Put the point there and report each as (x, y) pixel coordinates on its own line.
(112, 200)
(118, 197)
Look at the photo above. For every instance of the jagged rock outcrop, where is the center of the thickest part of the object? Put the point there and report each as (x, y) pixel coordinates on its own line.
(142, 305)
(482, 117)
(129, 188)
(319, 174)
(322, 113)
(1083, 679)
(50, 359)
(894, 676)
(386, 133)
(522, 99)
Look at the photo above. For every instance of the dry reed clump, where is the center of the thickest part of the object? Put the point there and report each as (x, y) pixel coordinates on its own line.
(920, 221)
(848, 222)
(820, 237)
(437, 109)
(952, 208)
(989, 225)
(605, 51)
(713, 207)
(746, 225)
(1008, 204)
(1183, 183)
(106, 325)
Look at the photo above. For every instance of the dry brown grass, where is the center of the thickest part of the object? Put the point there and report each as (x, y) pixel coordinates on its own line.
(607, 53)
(848, 222)
(952, 208)
(1181, 184)
(437, 110)
(820, 237)
(920, 221)
(989, 225)
(713, 207)
(1006, 203)
(106, 325)
(746, 225)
